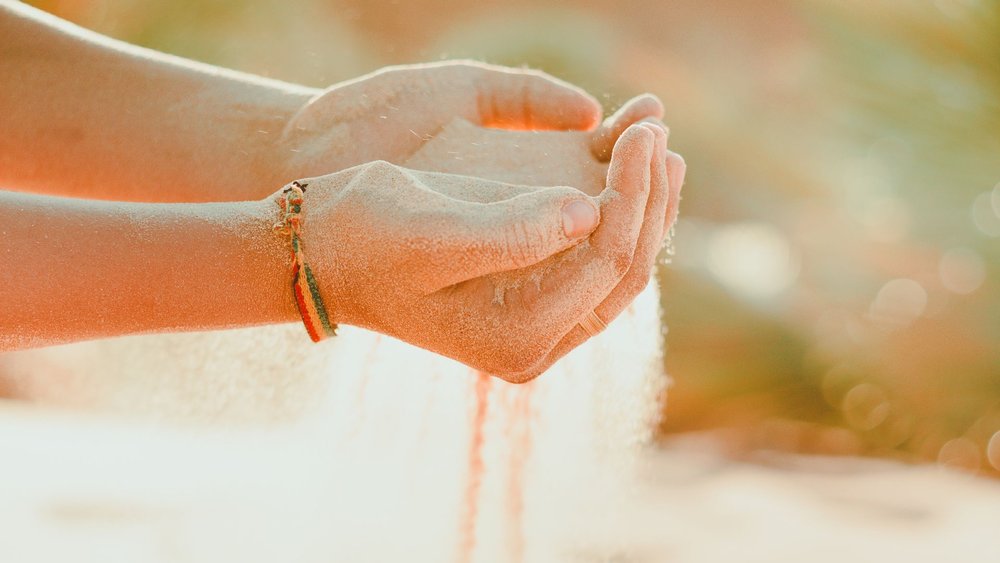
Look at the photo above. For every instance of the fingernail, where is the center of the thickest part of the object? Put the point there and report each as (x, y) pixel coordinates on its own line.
(657, 127)
(579, 218)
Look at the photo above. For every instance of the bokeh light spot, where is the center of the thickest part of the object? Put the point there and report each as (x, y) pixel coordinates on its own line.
(887, 219)
(993, 451)
(960, 453)
(752, 259)
(865, 406)
(900, 302)
(984, 214)
(962, 270)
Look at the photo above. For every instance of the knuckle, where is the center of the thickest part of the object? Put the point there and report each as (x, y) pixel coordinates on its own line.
(467, 65)
(534, 74)
(653, 100)
(621, 262)
(523, 377)
(523, 242)
(529, 373)
(462, 70)
(638, 281)
(378, 168)
(513, 364)
(392, 72)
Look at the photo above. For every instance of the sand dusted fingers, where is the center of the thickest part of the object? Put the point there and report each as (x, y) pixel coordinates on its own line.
(667, 171)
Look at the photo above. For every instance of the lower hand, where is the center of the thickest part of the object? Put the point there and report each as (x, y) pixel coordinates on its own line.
(394, 253)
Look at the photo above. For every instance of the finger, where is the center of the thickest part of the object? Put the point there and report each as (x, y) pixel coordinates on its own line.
(529, 99)
(517, 232)
(638, 108)
(625, 197)
(657, 123)
(676, 170)
(583, 278)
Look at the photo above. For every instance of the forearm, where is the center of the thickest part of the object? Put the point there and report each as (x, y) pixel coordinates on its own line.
(86, 116)
(75, 269)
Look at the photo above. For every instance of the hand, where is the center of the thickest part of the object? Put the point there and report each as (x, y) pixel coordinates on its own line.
(489, 284)
(389, 114)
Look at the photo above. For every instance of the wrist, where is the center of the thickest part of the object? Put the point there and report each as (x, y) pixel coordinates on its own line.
(316, 139)
(268, 258)
(269, 158)
(309, 302)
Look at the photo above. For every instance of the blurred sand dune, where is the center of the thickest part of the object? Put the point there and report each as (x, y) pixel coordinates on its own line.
(88, 489)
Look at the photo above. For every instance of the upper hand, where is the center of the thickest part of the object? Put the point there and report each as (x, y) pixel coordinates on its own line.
(389, 114)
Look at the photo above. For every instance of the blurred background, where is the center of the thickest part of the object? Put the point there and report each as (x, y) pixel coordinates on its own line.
(835, 284)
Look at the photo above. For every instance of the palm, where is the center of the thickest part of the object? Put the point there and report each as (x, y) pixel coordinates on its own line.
(531, 158)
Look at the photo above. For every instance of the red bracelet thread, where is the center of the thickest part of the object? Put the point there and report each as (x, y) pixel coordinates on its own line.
(307, 296)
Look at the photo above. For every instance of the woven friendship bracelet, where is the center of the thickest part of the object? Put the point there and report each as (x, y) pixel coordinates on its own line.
(307, 297)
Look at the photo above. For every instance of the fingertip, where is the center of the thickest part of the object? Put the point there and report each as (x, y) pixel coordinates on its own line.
(649, 104)
(635, 138)
(580, 217)
(629, 170)
(658, 126)
(677, 163)
(589, 109)
(676, 170)
(638, 109)
(643, 106)
(588, 112)
(562, 105)
(660, 139)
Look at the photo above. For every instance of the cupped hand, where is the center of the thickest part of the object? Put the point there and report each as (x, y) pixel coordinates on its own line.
(495, 280)
(393, 113)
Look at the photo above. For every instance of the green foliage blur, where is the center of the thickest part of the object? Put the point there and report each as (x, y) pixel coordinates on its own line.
(835, 283)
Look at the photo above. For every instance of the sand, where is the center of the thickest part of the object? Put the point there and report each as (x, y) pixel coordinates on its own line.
(533, 158)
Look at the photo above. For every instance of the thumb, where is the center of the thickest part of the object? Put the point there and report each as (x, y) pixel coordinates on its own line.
(521, 231)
